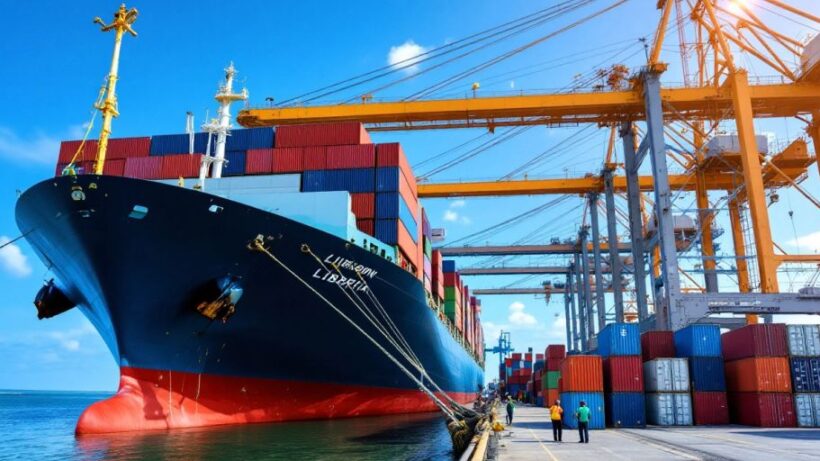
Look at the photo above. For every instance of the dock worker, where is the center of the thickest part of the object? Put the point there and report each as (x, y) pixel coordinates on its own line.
(510, 410)
(582, 415)
(556, 413)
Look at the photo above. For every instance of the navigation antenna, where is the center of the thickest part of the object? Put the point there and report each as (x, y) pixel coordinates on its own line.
(122, 23)
(222, 125)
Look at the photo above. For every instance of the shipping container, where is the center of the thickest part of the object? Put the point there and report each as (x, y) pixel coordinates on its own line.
(174, 144)
(367, 226)
(619, 339)
(552, 379)
(314, 158)
(805, 373)
(807, 408)
(391, 205)
(234, 163)
(392, 155)
(554, 364)
(625, 409)
(517, 356)
(706, 374)
(426, 229)
(259, 161)
(758, 374)
(657, 344)
(623, 373)
(249, 138)
(555, 351)
(184, 165)
(143, 167)
(760, 340)
(551, 396)
(114, 167)
(582, 373)
(324, 134)
(122, 148)
(391, 179)
(288, 160)
(804, 340)
(353, 156)
(357, 180)
(68, 150)
(698, 341)
(666, 375)
(570, 401)
(768, 409)
(710, 408)
(669, 409)
(363, 205)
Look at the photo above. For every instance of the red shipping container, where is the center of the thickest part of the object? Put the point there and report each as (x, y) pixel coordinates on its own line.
(582, 373)
(554, 364)
(363, 205)
(114, 167)
(120, 148)
(560, 385)
(366, 226)
(656, 344)
(516, 356)
(322, 134)
(623, 374)
(768, 409)
(528, 357)
(556, 351)
(259, 161)
(759, 374)
(314, 158)
(760, 340)
(451, 279)
(710, 408)
(551, 397)
(356, 156)
(69, 148)
(407, 245)
(539, 357)
(439, 290)
(508, 362)
(143, 167)
(181, 165)
(391, 154)
(287, 160)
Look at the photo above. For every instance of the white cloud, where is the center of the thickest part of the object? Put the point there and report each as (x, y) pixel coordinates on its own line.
(512, 84)
(520, 318)
(809, 243)
(450, 215)
(12, 259)
(40, 148)
(458, 204)
(402, 56)
(70, 339)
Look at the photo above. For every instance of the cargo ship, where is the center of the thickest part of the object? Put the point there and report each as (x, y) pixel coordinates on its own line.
(253, 275)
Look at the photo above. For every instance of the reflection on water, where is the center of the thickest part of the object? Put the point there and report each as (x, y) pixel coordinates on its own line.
(44, 429)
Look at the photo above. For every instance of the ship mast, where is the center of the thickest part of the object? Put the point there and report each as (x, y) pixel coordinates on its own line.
(221, 126)
(122, 23)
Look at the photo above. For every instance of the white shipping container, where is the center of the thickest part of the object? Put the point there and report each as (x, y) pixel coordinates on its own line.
(807, 407)
(731, 143)
(666, 375)
(804, 340)
(811, 54)
(669, 409)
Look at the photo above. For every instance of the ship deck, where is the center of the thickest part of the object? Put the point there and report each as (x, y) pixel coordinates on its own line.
(530, 438)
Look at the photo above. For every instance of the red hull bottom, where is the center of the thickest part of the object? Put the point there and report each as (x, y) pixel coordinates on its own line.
(161, 400)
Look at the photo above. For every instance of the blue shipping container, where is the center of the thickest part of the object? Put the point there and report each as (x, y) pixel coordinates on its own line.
(388, 179)
(448, 265)
(570, 401)
(250, 138)
(805, 374)
(698, 341)
(706, 374)
(169, 144)
(625, 409)
(619, 339)
(391, 205)
(352, 180)
(235, 165)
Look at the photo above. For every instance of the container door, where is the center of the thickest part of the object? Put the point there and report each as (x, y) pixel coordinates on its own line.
(804, 409)
(683, 409)
(811, 338)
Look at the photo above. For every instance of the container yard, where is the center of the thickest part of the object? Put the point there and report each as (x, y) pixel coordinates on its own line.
(346, 251)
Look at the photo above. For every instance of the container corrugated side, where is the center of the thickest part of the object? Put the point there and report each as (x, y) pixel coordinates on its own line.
(143, 167)
(805, 373)
(235, 163)
(570, 401)
(121, 148)
(259, 161)
(698, 341)
(623, 374)
(366, 226)
(804, 340)
(353, 156)
(392, 155)
(448, 266)
(114, 167)
(556, 351)
(666, 375)
(391, 179)
(767, 409)
(183, 165)
(619, 339)
(582, 373)
(250, 138)
(321, 134)
(552, 379)
(288, 160)
(363, 205)
(355, 180)
(171, 144)
(314, 158)
(760, 340)
(657, 344)
(758, 374)
(710, 408)
(707, 374)
(625, 409)
(70, 148)
(807, 407)
(391, 205)
(669, 409)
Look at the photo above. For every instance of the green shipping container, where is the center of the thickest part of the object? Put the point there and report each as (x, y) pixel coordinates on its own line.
(451, 294)
(552, 379)
(428, 248)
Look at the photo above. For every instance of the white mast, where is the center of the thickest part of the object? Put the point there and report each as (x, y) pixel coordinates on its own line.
(221, 126)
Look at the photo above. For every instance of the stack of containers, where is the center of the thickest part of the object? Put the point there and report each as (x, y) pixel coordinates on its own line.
(657, 344)
(427, 254)
(666, 382)
(757, 376)
(438, 276)
(452, 293)
(700, 344)
(118, 152)
(555, 354)
(582, 380)
(804, 352)
(538, 379)
(620, 346)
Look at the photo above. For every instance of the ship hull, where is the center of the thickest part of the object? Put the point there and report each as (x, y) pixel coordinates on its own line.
(285, 354)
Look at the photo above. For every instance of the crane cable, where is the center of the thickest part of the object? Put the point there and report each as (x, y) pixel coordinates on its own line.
(538, 158)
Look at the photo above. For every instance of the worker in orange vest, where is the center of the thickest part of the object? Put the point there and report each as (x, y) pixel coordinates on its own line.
(556, 415)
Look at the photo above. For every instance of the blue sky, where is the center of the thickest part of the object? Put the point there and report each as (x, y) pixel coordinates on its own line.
(55, 65)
